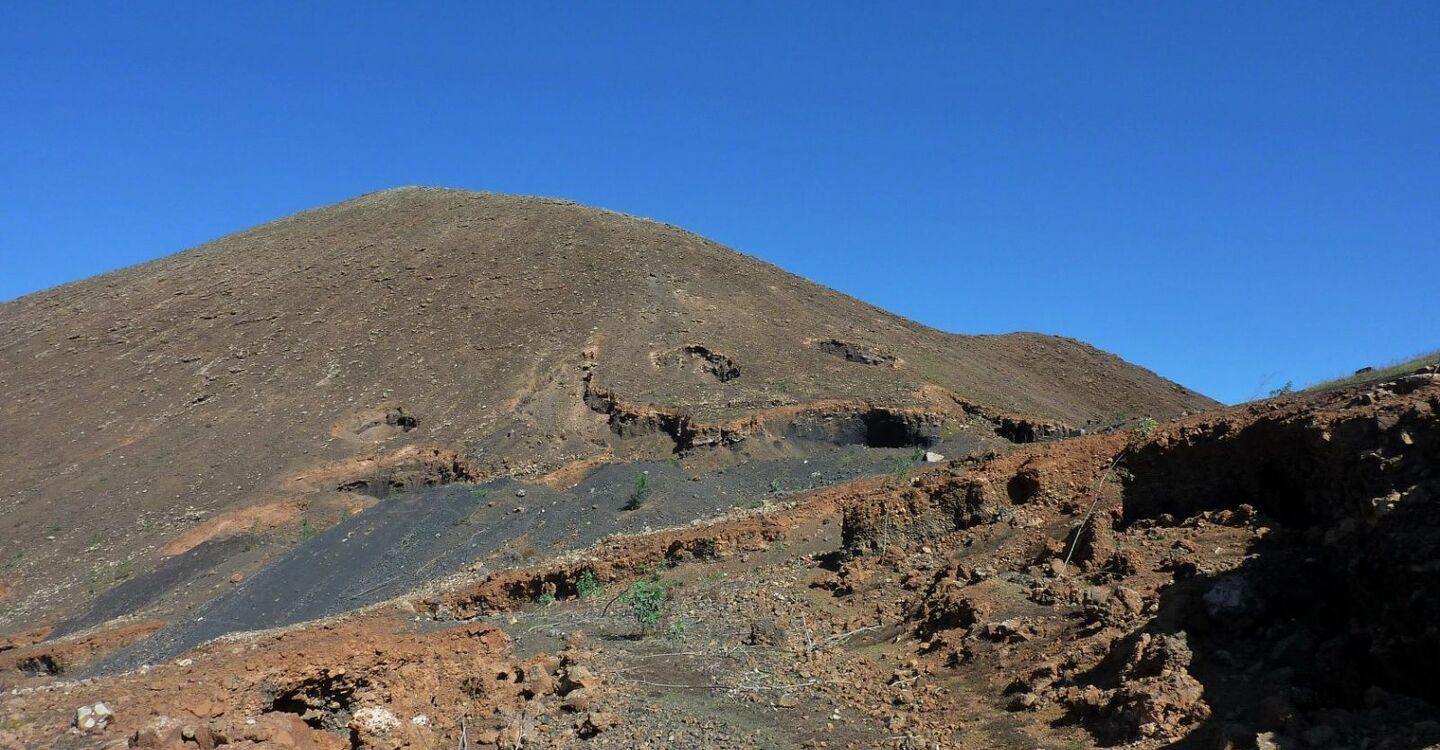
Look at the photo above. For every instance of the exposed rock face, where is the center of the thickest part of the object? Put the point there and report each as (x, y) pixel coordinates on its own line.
(1256, 572)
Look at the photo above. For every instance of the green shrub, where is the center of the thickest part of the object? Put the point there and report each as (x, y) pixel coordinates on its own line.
(900, 474)
(587, 585)
(640, 493)
(1142, 431)
(646, 599)
(545, 599)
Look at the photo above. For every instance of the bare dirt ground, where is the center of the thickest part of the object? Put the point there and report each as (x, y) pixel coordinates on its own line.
(1262, 576)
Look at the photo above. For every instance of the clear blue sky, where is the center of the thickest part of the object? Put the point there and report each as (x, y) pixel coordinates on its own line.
(1232, 194)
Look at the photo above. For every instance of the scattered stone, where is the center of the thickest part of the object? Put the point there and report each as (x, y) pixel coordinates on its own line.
(577, 677)
(578, 700)
(1007, 631)
(1024, 702)
(1409, 383)
(93, 718)
(765, 633)
(158, 732)
(375, 721)
(1111, 607)
(595, 722)
(1231, 600)
(1271, 741)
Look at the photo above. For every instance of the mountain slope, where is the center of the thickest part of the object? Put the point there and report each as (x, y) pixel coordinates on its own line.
(423, 336)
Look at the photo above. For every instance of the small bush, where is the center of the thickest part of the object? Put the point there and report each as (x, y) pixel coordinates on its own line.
(1289, 387)
(1142, 431)
(587, 585)
(545, 599)
(902, 468)
(900, 474)
(640, 493)
(646, 599)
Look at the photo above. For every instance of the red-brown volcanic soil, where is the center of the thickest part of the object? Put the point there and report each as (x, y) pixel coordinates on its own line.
(1261, 576)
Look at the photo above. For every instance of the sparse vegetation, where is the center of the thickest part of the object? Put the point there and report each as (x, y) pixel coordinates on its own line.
(900, 474)
(1289, 387)
(902, 467)
(1142, 431)
(587, 585)
(646, 598)
(545, 599)
(640, 493)
(1379, 373)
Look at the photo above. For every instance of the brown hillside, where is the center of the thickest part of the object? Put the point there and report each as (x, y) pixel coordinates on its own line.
(1255, 577)
(438, 335)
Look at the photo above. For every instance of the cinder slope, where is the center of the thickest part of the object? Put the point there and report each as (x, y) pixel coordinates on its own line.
(422, 335)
